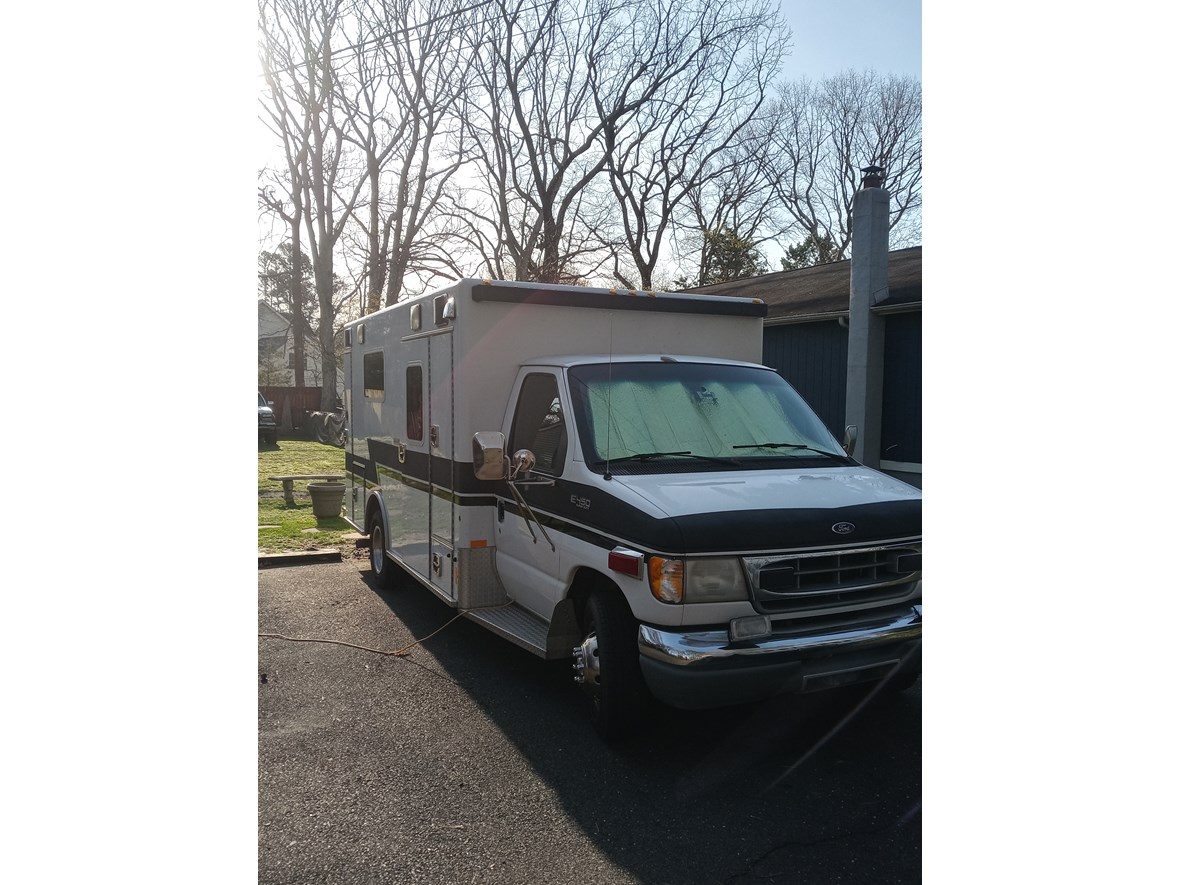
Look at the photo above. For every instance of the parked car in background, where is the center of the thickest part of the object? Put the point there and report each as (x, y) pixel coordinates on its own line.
(268, 428)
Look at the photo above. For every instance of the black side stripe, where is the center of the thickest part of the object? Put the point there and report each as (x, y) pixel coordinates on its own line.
(594, 515)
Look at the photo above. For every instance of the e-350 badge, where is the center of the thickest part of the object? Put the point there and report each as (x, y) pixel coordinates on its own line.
(580, 503)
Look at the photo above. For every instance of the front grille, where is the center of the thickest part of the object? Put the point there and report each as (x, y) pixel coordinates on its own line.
(832, 578)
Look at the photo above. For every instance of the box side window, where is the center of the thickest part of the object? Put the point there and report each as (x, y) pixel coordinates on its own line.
(374, 369)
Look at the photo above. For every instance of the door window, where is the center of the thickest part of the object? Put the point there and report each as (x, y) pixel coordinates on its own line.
(414, 403)
(539, 423)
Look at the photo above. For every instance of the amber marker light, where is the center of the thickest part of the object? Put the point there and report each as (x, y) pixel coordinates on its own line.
(665, 577)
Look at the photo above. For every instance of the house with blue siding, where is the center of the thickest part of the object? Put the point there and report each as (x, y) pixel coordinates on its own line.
(805, 339)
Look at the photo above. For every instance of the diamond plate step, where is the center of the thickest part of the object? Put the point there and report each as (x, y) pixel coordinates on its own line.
(515, 624)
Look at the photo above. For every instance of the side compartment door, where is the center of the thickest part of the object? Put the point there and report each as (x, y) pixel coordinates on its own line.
(439, 437)
(528, 566)
(407, 496)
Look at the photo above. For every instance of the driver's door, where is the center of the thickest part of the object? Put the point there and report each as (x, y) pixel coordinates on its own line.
(528, 565)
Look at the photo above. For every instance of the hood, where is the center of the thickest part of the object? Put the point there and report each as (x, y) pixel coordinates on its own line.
(680, 494)
(783, 508)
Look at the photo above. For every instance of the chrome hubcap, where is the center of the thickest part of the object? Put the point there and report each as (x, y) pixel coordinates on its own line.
(377, 548)
(586, 667)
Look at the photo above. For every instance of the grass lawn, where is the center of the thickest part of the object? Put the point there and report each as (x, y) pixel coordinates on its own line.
(283, 527)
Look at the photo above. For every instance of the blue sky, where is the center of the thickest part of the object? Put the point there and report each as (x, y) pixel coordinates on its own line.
(834, 35)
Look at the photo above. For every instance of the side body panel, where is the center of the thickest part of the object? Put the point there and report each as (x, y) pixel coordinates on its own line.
(400, 439)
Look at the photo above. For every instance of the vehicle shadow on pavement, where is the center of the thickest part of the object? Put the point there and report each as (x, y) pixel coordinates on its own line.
(821, 787)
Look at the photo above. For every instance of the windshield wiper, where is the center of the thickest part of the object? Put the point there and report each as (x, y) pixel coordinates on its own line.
(648, 456)
(774, 445)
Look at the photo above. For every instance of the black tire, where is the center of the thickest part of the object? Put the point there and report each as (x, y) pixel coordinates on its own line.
(272, 437)
(379, 561)
(613, 679)
(321, 428)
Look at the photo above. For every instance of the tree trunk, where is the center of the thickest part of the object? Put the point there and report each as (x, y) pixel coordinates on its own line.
(323, 285)
(377, 259)
(298, 332)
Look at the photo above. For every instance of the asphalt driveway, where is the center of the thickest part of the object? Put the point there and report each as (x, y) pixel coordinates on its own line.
(471, 761)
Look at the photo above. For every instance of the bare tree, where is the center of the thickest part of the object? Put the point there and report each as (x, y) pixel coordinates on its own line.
(284, 196)
(824, 133)
(409, 72)
(733, 206)
(685, 138)
(559, 83)
(298, 60)
(532, 134)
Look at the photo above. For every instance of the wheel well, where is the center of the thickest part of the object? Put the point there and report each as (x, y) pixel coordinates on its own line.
(586, 581)
(374, 506)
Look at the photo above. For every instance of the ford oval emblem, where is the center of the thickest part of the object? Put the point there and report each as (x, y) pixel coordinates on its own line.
(844, 528)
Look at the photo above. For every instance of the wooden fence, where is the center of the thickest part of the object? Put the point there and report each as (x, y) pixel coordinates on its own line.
(292, 404)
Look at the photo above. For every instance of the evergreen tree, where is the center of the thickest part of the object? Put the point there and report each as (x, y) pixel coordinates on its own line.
(810, 252)
(730, 256)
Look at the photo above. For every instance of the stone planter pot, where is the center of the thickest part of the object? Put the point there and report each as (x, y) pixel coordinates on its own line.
(326, 498)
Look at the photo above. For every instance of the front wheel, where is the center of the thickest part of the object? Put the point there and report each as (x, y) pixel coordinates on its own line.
(379, 561)
(607, 663)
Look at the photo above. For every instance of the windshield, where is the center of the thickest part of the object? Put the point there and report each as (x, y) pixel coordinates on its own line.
(678, 417)
(261, 400)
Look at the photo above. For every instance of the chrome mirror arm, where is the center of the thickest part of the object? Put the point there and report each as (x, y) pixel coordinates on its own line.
(522, 463)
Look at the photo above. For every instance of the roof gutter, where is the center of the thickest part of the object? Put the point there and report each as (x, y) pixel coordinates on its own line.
(881, 310)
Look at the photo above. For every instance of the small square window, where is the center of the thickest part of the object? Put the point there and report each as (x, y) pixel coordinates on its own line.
(374, 368)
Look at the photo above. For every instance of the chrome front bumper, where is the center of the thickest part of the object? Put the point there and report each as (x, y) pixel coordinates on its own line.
(705, 669)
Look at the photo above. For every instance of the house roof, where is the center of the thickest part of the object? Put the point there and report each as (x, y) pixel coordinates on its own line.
(822, 290)
(273, 314)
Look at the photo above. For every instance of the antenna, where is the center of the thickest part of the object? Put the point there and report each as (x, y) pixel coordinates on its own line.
(610, 363)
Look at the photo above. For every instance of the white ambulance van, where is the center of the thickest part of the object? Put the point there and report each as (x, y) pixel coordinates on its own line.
(611, 477)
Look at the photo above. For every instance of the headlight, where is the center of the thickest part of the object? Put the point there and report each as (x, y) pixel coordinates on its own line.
(715, 580)
(698, 580)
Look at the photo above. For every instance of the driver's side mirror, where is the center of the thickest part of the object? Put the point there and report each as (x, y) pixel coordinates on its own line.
(849, 439)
